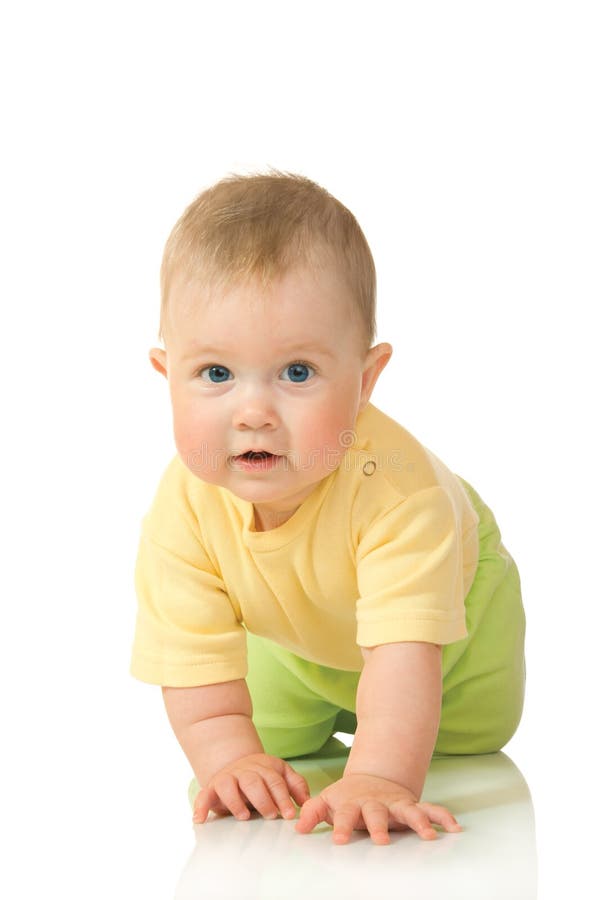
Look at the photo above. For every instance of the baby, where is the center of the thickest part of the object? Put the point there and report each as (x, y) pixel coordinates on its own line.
(307, 566)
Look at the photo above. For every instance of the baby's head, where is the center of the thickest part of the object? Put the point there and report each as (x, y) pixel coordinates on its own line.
(268, 316)
(259, 227)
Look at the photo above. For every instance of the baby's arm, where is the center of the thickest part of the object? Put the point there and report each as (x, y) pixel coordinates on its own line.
(398, 714)
(213, 724)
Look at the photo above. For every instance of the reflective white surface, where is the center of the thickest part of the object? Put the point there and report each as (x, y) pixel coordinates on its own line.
(493, 857)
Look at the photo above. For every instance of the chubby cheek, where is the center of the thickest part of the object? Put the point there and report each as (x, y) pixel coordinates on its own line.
(326, 434)
(197, 440)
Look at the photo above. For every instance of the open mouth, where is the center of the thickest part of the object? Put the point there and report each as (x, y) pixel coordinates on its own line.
(256, 460)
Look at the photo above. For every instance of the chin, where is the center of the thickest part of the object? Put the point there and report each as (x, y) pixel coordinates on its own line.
(252, 495)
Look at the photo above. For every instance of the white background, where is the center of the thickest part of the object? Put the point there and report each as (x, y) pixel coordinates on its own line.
(466, 139)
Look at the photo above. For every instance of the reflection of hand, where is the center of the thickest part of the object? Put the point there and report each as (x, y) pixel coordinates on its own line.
(259, 781)
(374, 804)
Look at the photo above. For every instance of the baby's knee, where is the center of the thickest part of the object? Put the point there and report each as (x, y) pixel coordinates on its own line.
(480, 726)
(290, 742)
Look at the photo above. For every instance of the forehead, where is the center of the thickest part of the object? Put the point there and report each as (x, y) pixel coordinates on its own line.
(304, 308)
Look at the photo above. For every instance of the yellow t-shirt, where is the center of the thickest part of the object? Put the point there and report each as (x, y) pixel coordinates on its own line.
(384, 549)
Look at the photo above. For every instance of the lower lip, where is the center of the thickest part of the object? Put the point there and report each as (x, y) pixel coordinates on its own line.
(255, 465)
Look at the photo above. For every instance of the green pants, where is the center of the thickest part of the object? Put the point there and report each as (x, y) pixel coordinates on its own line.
(298, 705)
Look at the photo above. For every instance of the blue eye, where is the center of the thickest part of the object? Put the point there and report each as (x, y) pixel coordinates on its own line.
(217, 374)
(298, 372)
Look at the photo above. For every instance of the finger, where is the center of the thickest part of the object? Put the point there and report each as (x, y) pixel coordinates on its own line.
(280, 793)
(297, 785)
(205, 799)
(226, 788)
(256, 791)
(375, 816)
(313, 812)
(416, 818)
(441, 816)
(346, 818)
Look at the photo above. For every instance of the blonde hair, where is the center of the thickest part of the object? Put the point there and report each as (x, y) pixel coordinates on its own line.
(261, 225)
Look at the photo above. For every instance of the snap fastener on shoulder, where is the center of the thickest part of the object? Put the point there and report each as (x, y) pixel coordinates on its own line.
(369, 468)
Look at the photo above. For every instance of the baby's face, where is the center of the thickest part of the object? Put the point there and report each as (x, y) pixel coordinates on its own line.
(277, 371)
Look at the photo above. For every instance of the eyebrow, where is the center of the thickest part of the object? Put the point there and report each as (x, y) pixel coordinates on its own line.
(206, 350)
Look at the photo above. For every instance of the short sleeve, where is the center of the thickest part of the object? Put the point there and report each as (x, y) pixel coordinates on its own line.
(187, 632)
(410, 573)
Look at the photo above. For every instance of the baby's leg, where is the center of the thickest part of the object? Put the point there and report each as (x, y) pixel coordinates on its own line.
(295, 708)
(484, 675)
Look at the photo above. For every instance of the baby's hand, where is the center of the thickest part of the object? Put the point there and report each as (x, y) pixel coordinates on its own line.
(259, 781)
(375, 804)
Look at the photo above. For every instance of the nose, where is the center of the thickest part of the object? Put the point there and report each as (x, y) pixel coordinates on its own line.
(254, 409)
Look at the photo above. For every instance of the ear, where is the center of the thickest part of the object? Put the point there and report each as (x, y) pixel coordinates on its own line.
(376, 359)
(158, 358)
